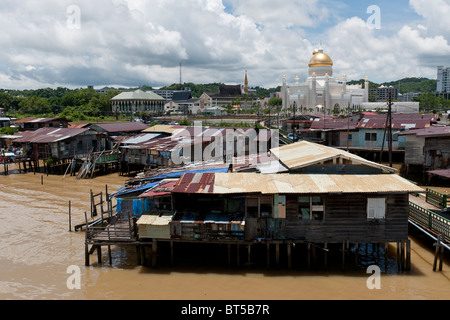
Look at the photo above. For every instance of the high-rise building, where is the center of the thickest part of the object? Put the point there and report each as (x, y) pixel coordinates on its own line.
(443, 80)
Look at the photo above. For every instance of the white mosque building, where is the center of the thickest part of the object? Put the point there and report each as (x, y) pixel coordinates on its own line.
(321, 93)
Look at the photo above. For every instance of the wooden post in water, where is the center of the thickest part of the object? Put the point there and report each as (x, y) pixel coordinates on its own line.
(439, 253)
(154, 251)
(109, 255)
(70, 218)
(408, 255)
(171, 253)
(289, 255)
(99, 254)
(277, 253)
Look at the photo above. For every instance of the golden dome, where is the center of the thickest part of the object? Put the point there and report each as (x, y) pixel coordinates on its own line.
(320, 59)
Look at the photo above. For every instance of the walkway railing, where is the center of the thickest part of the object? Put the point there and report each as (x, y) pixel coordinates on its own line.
(430, 220)
(436, 198)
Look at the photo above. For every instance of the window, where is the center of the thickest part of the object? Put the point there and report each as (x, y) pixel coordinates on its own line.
(310, 208)
(376, 208)
(371, 137)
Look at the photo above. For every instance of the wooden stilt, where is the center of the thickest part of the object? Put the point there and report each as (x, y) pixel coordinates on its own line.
(356, 253)
(86, 255)
(289, 256)
(138, 255)
(99, 254)
(172, 261)
(309, 255)
(408, 255)
(154, 251)
(402, 254)
(144, 260)
(277, 254)
(110, 255)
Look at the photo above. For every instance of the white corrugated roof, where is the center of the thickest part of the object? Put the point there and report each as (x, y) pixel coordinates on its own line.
(302, 154)
(232, 183)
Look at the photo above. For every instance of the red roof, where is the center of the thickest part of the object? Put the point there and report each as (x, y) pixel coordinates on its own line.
(334, 124)
(123, 126)
(164, 188)
(429, 132)
(399, 121)
(195, 182)
(48, 135)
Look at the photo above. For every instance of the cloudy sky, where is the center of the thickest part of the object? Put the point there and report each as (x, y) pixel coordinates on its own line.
(75, 43)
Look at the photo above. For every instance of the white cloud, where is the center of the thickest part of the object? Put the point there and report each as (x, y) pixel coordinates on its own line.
(133, 42)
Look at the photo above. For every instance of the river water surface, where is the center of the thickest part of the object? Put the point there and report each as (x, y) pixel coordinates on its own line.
(37, 248)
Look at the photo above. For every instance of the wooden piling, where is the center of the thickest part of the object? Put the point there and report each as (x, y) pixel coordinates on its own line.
(154, 251)
(110, 255)
(70, 218)
(408, 255)
(86, 255)
(289, 255)
(172, 261)
(277, 254)
(99, 254)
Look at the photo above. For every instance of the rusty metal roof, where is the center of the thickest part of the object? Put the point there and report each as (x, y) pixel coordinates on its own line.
(399, 121)
(37, 120)
(429, 132)
(122, 126)
(303, 154)
(333, 124)
(238, 183)
(195, 183)
(49, 135)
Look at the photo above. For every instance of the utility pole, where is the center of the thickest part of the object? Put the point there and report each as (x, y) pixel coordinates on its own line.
(293, 126)
(390, 128)
(348, 127)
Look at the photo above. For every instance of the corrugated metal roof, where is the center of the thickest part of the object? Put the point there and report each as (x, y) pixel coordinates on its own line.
(161, 128)
(429, 132)
(195, 183)
(441, 173)
(122, 126)
(38, 120)
(142, 138)
(303, 154)
(334, 124)
(236, 183)
(49, 135)
(399, 121)
(164, 188)
(155, 220)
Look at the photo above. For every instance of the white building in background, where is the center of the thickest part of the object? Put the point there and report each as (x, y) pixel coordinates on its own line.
(443, 80)
(321, 92)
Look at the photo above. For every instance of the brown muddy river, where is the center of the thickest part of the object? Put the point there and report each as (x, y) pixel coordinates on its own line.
(37, 249)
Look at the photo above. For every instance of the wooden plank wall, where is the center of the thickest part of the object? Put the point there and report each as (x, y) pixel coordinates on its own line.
(346, 219)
